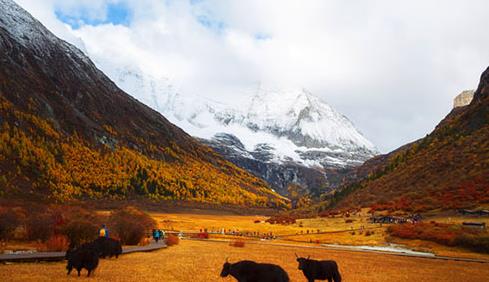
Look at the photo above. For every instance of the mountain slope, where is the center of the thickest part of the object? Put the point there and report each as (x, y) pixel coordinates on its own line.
(449, 168)
(68, 132)
(283, 137)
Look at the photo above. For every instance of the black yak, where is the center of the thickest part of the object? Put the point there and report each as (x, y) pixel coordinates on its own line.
(250, 271)
(84, 256)
(319, 270)
(107, 247)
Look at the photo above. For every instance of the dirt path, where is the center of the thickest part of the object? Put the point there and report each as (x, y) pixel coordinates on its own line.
(57, 256)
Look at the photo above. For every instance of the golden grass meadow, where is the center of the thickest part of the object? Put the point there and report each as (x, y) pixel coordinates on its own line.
(201, 260)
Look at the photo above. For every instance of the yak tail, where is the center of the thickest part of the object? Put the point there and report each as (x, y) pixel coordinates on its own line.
(336, 276)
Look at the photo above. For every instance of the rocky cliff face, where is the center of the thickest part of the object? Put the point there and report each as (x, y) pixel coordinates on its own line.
(279, 176)
(463, 99)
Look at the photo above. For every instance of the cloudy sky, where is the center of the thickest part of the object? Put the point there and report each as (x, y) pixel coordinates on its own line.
(392, 67)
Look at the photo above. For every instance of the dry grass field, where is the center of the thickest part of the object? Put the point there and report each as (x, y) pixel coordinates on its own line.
(194, 222)
(338, 228)
(202, 261)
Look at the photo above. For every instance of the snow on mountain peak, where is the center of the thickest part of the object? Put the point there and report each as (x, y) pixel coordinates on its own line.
(29, 32)
(310, 121)
(293, 125)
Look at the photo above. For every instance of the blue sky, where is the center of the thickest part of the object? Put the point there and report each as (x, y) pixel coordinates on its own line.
(119, 13)
(116, 13)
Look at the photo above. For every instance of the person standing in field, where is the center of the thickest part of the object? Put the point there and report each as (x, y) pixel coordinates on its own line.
(156, 235)
(162, 234)
(103, 232)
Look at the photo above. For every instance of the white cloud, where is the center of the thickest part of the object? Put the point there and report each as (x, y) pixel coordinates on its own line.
(392, 67)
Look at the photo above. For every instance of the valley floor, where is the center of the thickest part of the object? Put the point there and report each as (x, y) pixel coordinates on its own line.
(202, 261)
(355, 230)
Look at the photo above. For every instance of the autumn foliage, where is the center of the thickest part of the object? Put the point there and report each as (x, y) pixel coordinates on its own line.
(57, 243)
(284, 219)
(445, 234)
(37, 159)
(130, 225)
(237, 243)
(172, 240)
(448, 169)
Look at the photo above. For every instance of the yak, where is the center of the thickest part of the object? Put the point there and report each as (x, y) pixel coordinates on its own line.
(250, 271)
(319, 270)
(84, 256)
(107, 247)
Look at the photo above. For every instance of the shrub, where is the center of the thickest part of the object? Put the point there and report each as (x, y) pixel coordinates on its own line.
(281, 219)
(172, 240)
(40, 227)
(80, 231)
(237, 243)
(436, 232)
(145, 241)
(445, 234)
(57, 243)
(9, 221)
(131, 224)
(201, 235)
(349, 221)
(474, 242)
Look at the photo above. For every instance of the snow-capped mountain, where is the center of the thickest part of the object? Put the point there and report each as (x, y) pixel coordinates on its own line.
(290, 125)
(284, 137)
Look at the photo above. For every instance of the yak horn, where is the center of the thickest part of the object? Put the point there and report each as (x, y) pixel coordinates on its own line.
(296, 255)
(308, 257)
(227, 259)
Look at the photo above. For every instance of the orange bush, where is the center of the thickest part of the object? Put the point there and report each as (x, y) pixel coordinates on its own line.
(131, 224)
(9, 220)
(281, 219)
(172, 240)
(445, 234)
(80, 231)
(201, 235)
(40, 226)
(57, 243)
(237, 243)
(144, 241)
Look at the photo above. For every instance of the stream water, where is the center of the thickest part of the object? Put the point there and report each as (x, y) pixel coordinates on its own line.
(391, 248)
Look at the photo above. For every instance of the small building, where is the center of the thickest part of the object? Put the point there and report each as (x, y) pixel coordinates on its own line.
(396, 219)
(474, 212)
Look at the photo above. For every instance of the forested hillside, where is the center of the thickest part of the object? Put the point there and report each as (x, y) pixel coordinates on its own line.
(447, 169)
(67, 132)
